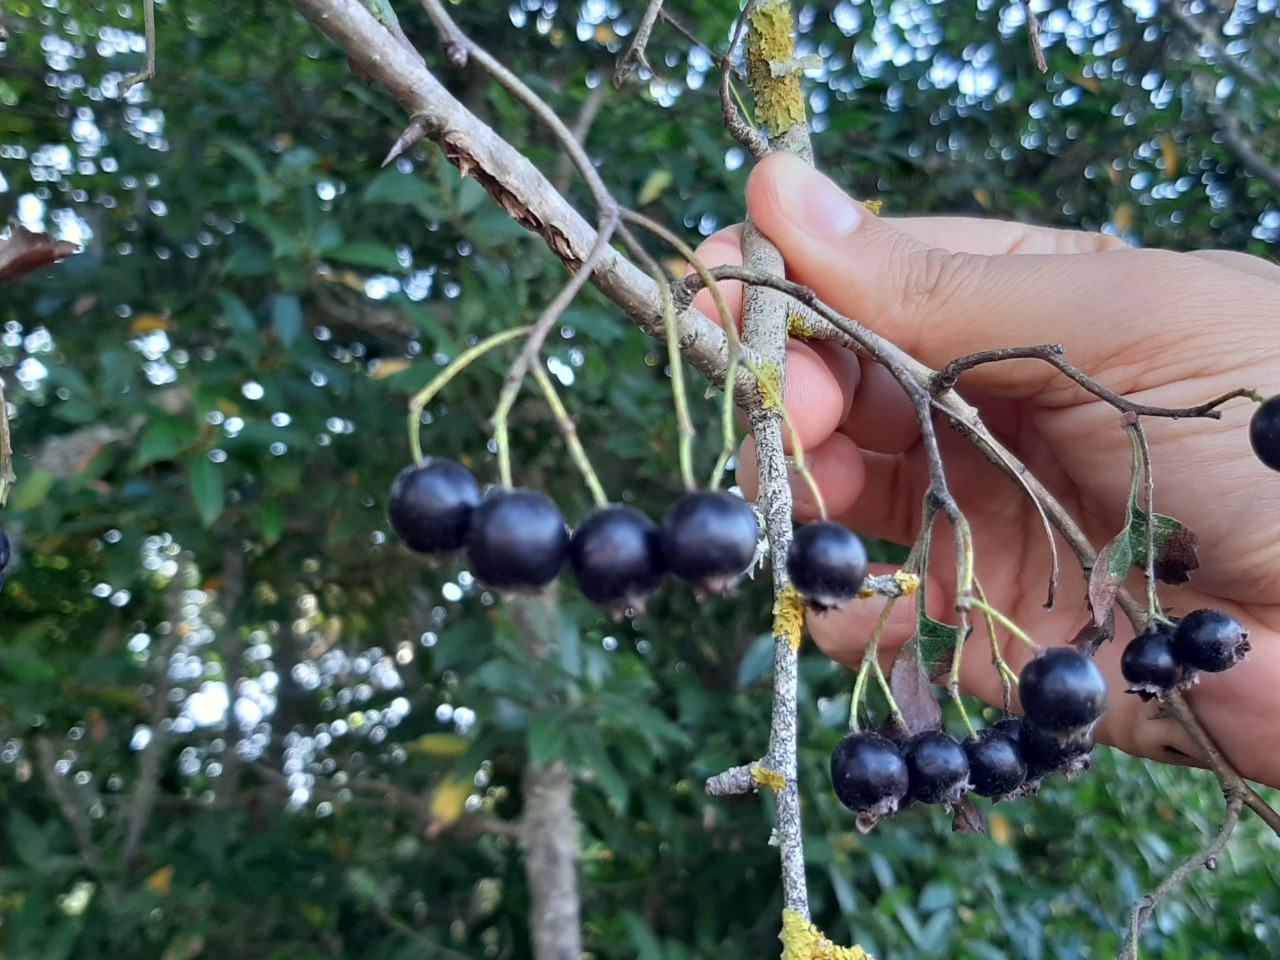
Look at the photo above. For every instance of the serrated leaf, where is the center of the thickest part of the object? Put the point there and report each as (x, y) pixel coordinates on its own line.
(937, 641)
(208, 488)
(1175, 547)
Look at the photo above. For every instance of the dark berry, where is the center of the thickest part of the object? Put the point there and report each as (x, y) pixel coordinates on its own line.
(827, 563)
(1010, 726)
(517, 541)
(1047, 753)
(1149, 664)
(869, 774)
(4, 550)
(1264, 432)
(709, 539)
(937, 768)
(1210, 640)
(996, 768)
(1062, 691)
(431, 505)
(616, 557)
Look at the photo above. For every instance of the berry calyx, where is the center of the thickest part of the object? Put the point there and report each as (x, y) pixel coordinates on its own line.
(937, 768)
(518, 540)
(996, 767)
(709, 539)
(1149, 663)
(431, 505)
(869, 774)
(1264, 432)
(827, 563)
(1210, 640)
(1047, 753)
(1062, 691)
(616, 556)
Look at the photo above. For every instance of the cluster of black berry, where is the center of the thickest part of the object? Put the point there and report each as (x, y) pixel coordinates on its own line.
(1063, 695)
(1172, 654)
(517, 541)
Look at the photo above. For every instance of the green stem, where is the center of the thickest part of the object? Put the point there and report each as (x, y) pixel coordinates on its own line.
(570, 434)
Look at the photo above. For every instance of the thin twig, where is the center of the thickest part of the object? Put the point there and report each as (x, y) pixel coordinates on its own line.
(1208, 857)
(148, 70)
(68, 804)
(1052, 354)
(1231, 781)
(569, 431)
(1033, 37)
(581, 130)
(635, 54)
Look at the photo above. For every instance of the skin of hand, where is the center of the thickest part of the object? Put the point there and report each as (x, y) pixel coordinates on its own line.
(1160, 328)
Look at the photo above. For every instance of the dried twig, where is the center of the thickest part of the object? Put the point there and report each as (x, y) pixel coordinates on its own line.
(148, 70)
(635, 55)
(1033, 37)
(1208, 858)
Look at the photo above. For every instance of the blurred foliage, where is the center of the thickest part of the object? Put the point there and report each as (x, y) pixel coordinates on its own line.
(237, 721)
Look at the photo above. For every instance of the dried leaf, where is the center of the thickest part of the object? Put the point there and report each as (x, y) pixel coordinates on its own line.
(23, 252)
(912, 691)
(1175, 546)
(965, 817)
(1107, 576)
(1092, 635)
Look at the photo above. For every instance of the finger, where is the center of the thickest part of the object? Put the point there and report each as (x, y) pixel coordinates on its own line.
(998, 237)
(1245, 263)
(881, 417)
(722, 249)
(819, 390)
(836, 466)
(939, 305)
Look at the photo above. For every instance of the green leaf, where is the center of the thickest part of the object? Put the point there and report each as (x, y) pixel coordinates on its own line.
(271, 522)
(248, 262)
(30, 490)
(1175, 547)
(23, 663)
(208, 488)
(286, 318)
(368, 253)
(547, 736)
(163, 439)
(403, 189)
(936, 639)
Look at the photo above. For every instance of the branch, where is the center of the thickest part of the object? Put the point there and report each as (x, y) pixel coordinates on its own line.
(636, 52)
(513, 181)
(549, 836)
(1208, 857)
(62, 791)
(148, 70)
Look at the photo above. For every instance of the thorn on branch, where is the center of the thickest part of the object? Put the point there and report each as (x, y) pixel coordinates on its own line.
(415, 131)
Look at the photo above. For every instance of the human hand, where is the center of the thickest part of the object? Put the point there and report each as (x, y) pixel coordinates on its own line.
(1160, 328)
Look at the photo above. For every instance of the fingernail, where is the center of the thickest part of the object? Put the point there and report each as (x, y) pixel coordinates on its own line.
(814, 203)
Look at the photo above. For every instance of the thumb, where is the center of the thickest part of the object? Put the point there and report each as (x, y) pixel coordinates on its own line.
(938, 305)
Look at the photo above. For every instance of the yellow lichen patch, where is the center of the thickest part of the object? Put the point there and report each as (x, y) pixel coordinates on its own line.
(780, 102)
(769, 383)
(875, 206)
(788, 617)
(770, 779)
(801, 940)
(800, 326)
(908, 583)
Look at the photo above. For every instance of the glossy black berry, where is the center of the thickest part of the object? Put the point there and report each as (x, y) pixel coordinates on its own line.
(616, 556)
(937, 768)
(869, 774)
(827, 563)
(1210, 640)
(996, 767)
(1047, 753)
(1062, 691)
(709, 539)
(4, 550)
(1264, 432)
(1149, 664)
(431, 505)
(1010, 726)
(517, 541)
